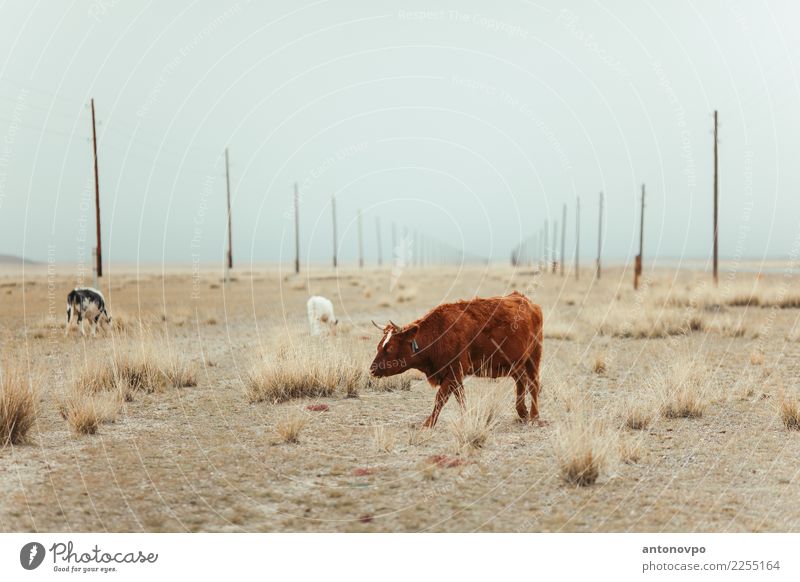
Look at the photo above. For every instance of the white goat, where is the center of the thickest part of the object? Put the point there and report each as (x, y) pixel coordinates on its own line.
(320, 311)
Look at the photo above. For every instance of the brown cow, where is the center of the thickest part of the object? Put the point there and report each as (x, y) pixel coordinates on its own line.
(490, 337)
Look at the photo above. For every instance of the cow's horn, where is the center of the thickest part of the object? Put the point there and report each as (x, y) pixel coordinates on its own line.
(376, 325)
(393, 324)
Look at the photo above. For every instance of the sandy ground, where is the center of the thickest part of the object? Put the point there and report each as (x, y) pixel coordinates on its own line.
(205, 459)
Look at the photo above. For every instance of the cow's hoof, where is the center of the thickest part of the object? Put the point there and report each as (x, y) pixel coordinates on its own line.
(540, 422)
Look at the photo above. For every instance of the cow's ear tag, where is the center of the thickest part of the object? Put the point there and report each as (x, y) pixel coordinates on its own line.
(414, 346)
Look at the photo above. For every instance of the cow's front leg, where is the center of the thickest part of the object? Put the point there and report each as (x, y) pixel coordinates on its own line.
(441, 399)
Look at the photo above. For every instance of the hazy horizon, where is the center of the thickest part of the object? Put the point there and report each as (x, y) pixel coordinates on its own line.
(470, 124)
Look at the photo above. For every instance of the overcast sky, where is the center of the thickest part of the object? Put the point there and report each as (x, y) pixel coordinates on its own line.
(470, 122)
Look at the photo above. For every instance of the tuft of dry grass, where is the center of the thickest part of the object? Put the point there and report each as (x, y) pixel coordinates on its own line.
(582, 450)
(85, 413)
(757, 358)
(398, 382)
(179, 371)
(474, 426)
(135, 365)
(631, 450)
(599, 365)
(310, 370)
(790, 412)
(384, 438)
(17, 401)
(290, 426)
(684, 389)
(639, 416)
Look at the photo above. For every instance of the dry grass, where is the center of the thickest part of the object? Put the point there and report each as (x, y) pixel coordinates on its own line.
(85, 413)
(599, 365)
(418, 436)
(639, 415)
(399, 382)
(790, 412)
(757, 358)
(17, 401)
(384, 439)
(684, 388)
(144, 364)
(179, 371)
(312, 369)
(648, 322)
(558, 331)
(406, 295)
(631, 450)
(729, 327)
(582, 449)
(474, 426)
(290, 426)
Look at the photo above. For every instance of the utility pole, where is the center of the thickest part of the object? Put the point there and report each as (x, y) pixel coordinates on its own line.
(545, 248)
(360, 242)
(599, 235)
(555, 238)
(230, 232)
(716, 202)
(335, 235)
(563, 238)
(296, 229)
(99, 263)
(578, 238)
(542, 251)
(378, 234)
(637, 271)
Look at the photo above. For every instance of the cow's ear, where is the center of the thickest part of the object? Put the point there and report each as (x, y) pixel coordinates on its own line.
(411, 331)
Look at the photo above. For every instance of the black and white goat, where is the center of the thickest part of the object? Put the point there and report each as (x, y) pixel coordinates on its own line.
(86, 302)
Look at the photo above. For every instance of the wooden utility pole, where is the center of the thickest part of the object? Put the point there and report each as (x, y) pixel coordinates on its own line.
(296, 229)
(599, 235)
(637, 271)
(578, 238)
(335, 235)
(230, 232)
(378, 234)
(563, 238)
(716, 202)
(555, 238)
(99, 263)
(360, 242)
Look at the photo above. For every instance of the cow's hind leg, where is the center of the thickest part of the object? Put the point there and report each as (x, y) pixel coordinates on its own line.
(69, 317)
(534, 387)
(522, 389)
(442, 396)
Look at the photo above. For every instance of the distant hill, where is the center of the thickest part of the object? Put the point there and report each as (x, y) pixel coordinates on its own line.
(15, 260)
